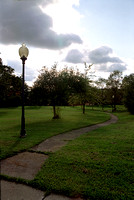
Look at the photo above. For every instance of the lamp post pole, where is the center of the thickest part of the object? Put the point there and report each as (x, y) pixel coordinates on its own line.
(23, 52)
(23, 131)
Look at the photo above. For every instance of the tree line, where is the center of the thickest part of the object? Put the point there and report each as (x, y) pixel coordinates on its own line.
(67, 87)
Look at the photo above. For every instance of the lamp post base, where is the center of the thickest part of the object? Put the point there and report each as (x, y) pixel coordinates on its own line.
(23, 134)
(23, 131)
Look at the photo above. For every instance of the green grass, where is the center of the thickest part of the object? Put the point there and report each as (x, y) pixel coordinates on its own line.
(97, 165)
(40, 125)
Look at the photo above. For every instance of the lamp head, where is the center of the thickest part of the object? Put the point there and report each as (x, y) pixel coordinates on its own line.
(23, 52)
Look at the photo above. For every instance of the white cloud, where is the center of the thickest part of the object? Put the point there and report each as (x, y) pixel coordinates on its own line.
(103, 55)
(24, 21)
(74, 56)
(102, 58)
(117, 66)
(111, 68)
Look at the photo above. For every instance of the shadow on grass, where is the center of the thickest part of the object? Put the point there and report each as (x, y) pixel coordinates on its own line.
(33, 107)
(14, 146)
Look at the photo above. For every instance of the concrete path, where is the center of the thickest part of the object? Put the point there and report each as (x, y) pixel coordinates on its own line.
(26, 165)
(56, 142)
(13, 191)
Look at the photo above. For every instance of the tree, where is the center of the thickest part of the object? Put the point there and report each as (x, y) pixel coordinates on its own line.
(113, 85)
(10, 87)
(80, 94)
(53, 86)
(82, 88)
(101, 97)
(128, 91)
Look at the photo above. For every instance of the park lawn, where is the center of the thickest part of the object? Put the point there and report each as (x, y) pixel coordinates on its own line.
(40, 125)
(97, 165)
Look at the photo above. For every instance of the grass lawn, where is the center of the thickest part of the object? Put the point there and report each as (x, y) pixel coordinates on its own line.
(40, 125)
(97, 165)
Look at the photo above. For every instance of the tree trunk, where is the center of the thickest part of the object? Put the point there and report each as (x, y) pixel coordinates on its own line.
(114, 108)
(54, 111)
(56, 116)
(84, 108)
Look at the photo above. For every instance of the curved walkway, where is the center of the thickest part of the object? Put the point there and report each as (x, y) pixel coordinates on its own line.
(56, 142)
(26, 165)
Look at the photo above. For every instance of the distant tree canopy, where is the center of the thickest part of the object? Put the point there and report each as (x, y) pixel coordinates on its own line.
(128, 90)
(67, 87)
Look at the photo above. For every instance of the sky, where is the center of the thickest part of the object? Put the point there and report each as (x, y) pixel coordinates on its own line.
(69, 33)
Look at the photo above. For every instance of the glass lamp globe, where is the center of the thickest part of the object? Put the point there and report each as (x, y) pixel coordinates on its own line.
(23, 51)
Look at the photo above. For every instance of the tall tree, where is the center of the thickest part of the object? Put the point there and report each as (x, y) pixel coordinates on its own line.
(128, 91)
(10, 87)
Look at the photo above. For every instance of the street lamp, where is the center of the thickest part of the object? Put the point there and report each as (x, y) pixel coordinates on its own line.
(23, 52)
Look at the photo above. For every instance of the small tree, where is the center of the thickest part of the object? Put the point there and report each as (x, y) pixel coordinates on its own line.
(101, 85)
(113, 85)
(79, 84)
(53, 88)
(80, 94)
